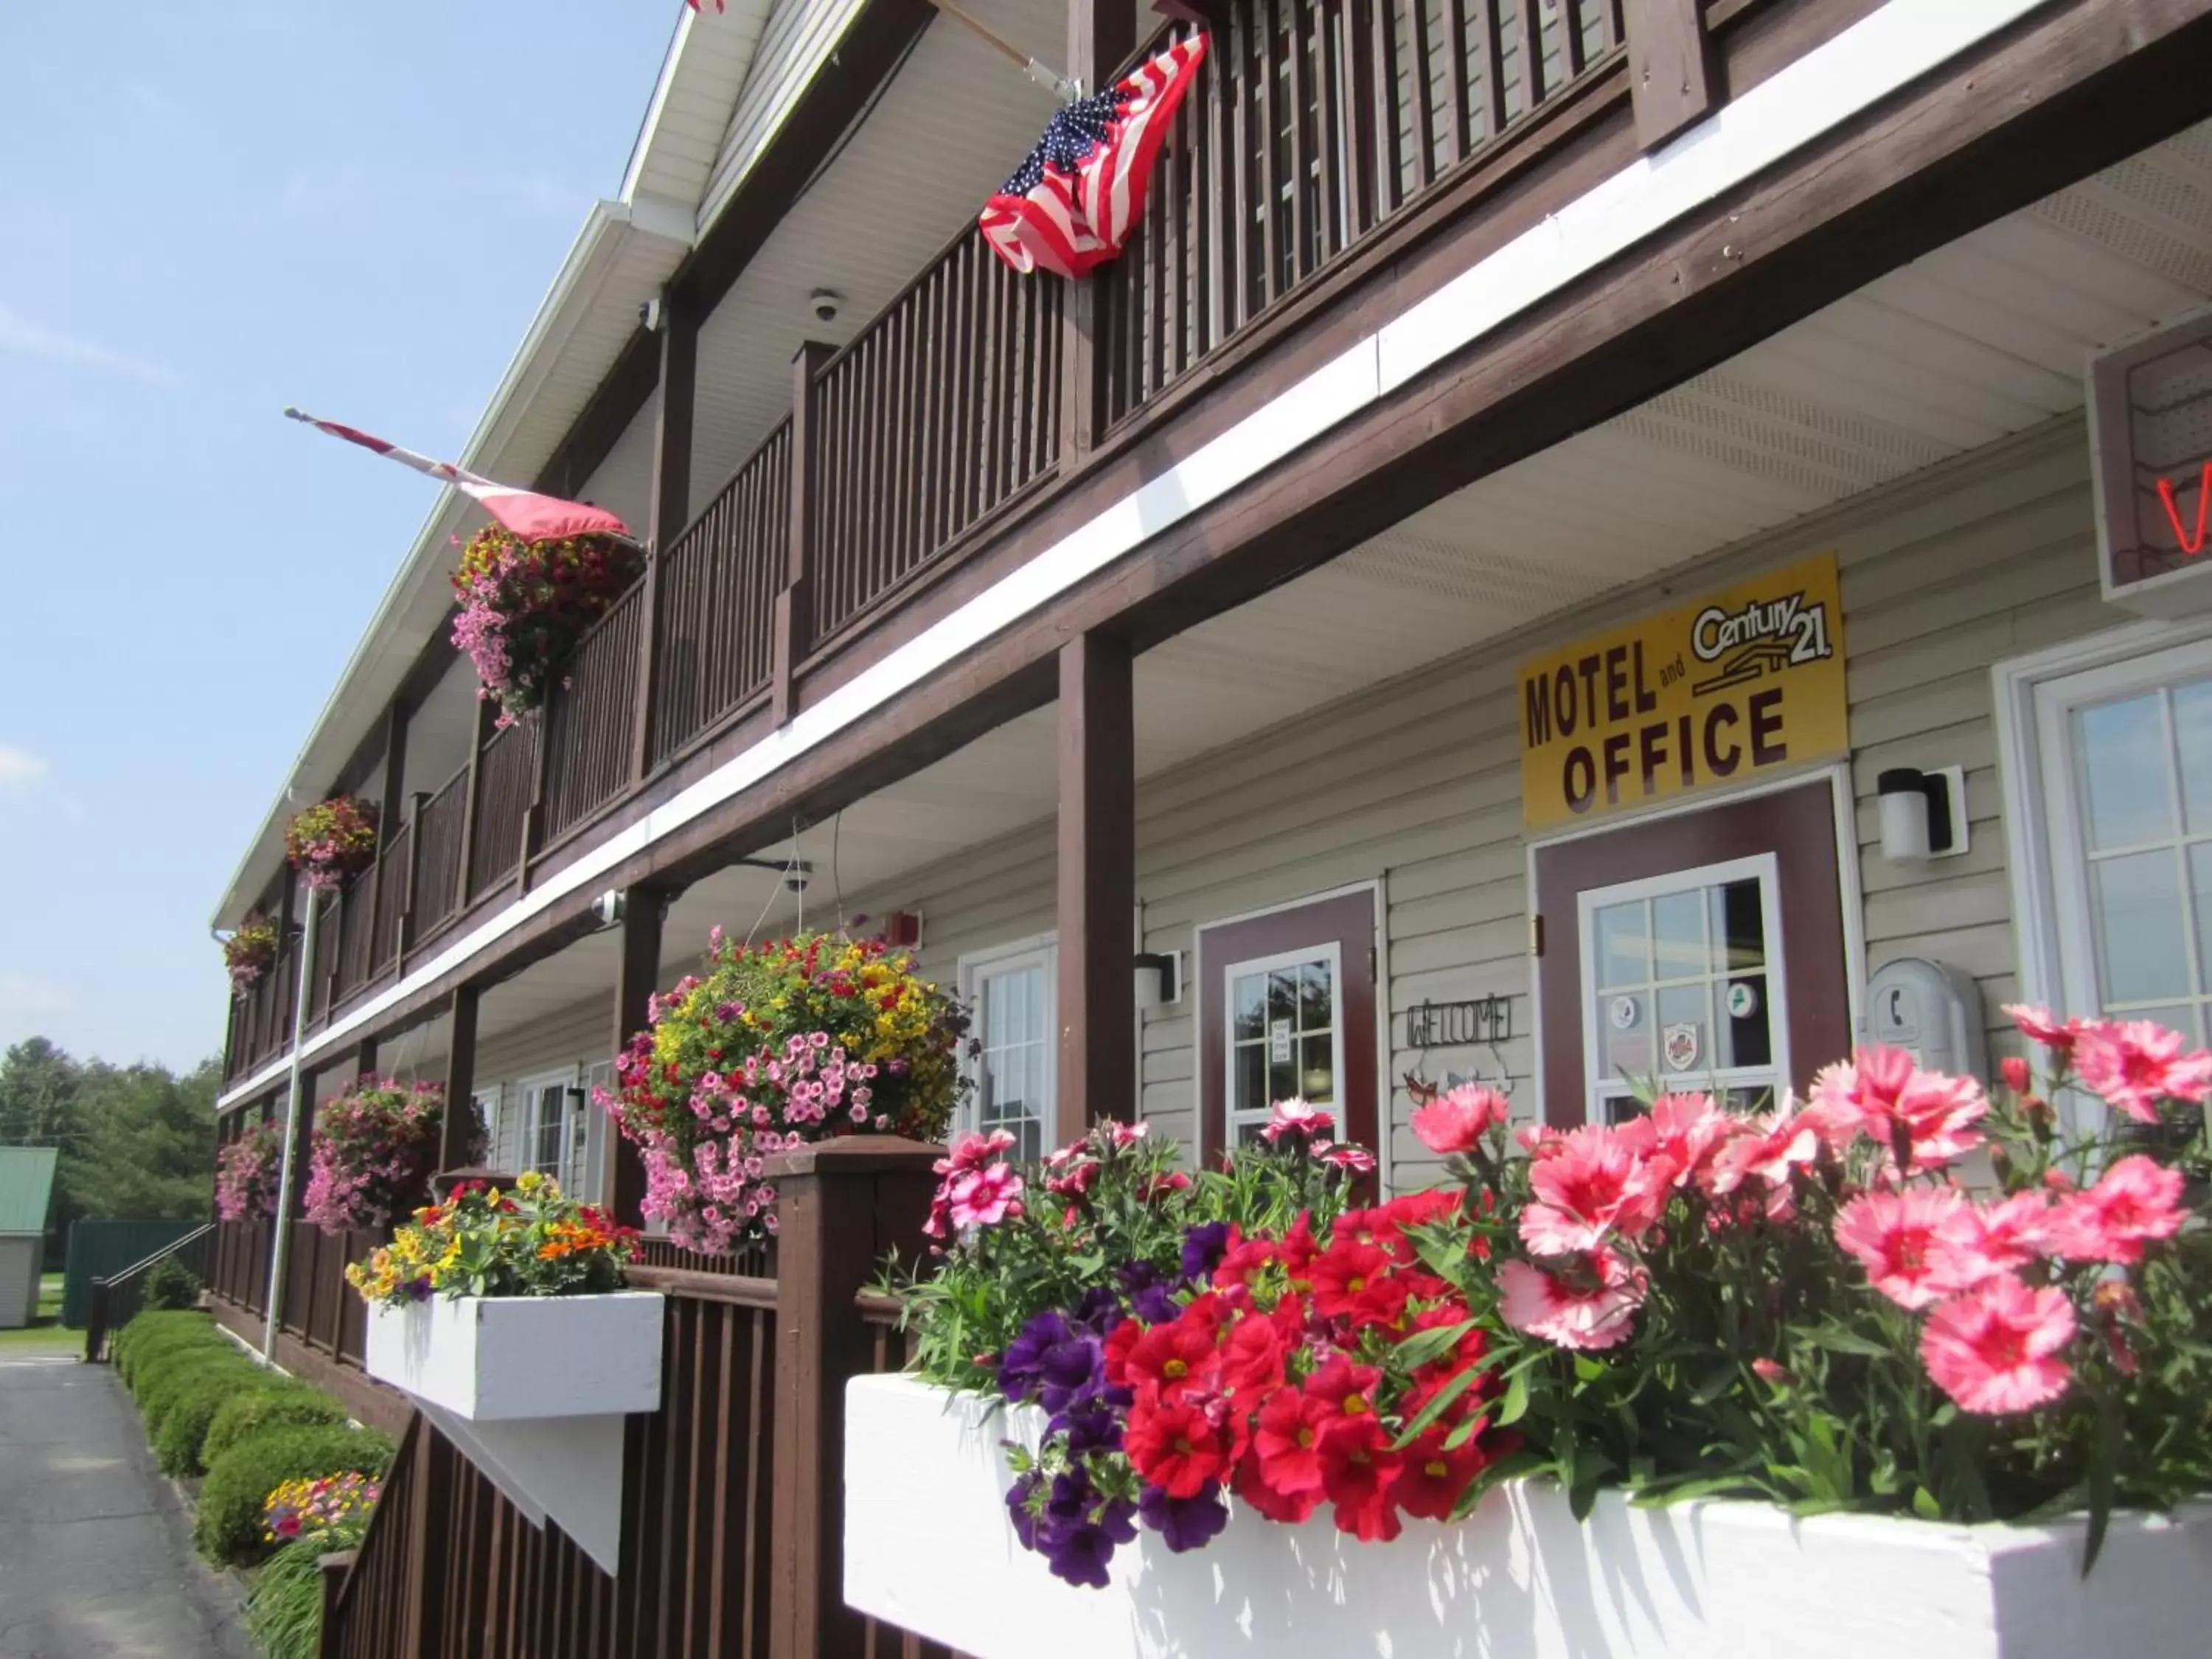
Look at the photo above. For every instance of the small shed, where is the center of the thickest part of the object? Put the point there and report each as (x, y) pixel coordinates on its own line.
(27, 1186)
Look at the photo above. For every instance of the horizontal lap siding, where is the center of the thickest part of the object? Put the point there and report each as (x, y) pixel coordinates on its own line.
(579, 1036)
(1419, 782)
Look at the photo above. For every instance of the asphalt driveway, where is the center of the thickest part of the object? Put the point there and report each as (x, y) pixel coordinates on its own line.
(95, 1552)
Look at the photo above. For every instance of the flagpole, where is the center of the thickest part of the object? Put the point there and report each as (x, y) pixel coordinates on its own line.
(1059, 86)
(283, 1233)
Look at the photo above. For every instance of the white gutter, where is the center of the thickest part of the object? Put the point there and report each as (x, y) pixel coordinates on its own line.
(1829, 86)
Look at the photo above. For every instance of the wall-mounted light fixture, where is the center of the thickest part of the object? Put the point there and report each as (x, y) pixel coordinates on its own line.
(1159, 978)
(1924, 813)
(607, 908)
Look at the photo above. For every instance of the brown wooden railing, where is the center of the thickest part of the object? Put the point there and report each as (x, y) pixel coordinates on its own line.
(438, 829)
(326, 953)
(356, 928)
(1311, 123)
(392, 864)
(943, 409)
(506, 779)
(591, 718)
(754, 1262)
(717, 596)
(239, 1271)
(319, 1308)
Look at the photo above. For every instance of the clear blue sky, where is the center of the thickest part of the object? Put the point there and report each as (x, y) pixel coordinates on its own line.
(211, 209)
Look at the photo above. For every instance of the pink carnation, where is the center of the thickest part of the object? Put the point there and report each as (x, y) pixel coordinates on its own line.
(1998, 1348)
(1457, 1120)
(2135, 1201)
(2138, 1064)
(1596, 1185)
(1590, 1303)
(1897, 1237)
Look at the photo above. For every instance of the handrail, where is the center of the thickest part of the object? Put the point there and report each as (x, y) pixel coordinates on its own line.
(95, 1313)
(735, 1289)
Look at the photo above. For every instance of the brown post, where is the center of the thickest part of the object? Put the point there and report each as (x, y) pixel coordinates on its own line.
(487, 713)
(622, 1178)
(671, 507)
(1097, 885)
(395, 771)
(422, 1634)
(364, 1057)
(1670, 67)
(302, 1132)
(457, 1140)
(842, 1205)
(794, 602)
(1101, 34)
(335, 1565)
(414, 875)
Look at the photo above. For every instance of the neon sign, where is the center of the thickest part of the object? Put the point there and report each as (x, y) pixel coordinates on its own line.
(2150, 429)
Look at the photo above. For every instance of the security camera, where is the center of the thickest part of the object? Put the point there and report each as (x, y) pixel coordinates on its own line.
(827, 304)
(607, 908)
(650, 313)
(795, 879)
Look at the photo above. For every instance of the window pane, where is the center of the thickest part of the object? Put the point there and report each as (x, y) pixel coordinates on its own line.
(1739, 926)
(1746, 1034)
(1624, 950)
(1625, 1047)
(1319, 1009)
(2140, 945)
(1317, 1069)
(2200, 903)
(2122, 748)
(2192, 738)
(1678, 935)
(1283, 997)
(1685, 1033)
(1251, 1077)
(1249, 997)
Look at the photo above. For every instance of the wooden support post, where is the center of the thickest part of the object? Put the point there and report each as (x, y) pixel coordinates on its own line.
(335, 1567)
(405, 930)
(671, 507)
(487, 713)
(457, 1147)
(1098, 886)
(840, 1205)
(303, 1131)
(429, 1486)
(621, 1186)
(1100, 34)
(364, 1057)
(794, 601)
(1671, 77)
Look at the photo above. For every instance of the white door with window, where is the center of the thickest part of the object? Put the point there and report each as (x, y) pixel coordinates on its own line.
(1682, 987)
(556, 1128)
(2125, 755)
(1285, 1035)
(1013, 996)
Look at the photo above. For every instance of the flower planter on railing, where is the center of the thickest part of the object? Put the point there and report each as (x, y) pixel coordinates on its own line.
(928, 1547)
(535, 1390)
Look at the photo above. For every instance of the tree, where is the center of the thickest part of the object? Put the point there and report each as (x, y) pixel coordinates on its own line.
(147, 1147)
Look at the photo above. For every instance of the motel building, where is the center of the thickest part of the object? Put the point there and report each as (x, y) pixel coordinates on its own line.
(1573, 544)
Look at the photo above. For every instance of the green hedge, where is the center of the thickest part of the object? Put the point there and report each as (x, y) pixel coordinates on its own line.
(179, 1445)
(178, 1373)
(283, 1404)
(227, 1529)
(150, 1335)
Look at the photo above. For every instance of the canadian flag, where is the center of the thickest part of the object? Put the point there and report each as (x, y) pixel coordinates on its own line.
(522, 513)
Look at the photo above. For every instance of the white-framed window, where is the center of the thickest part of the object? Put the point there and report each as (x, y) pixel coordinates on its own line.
(1286, 1035)
(1682, 987)
(486, 1104)
(1013, 995)
(555, 1127)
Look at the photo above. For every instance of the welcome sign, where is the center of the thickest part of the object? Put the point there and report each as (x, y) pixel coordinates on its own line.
(1745, 681)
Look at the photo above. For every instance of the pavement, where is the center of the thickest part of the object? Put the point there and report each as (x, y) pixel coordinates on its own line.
(96, 1559)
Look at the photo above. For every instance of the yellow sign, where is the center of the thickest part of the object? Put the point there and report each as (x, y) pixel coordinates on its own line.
(1742, 682)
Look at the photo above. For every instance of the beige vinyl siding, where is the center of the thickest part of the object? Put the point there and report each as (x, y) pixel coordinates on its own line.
(581, 1035)
(1417, 783)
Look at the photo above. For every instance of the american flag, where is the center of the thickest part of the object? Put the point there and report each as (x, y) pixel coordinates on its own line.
(522, 513)
(1074, 201)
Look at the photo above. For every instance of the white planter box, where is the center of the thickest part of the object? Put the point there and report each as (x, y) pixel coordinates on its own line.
(534, 1389)
(496, 1359)
(929, 1549)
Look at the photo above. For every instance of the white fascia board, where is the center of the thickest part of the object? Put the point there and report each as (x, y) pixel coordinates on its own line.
(1874, 58)
(396, 628)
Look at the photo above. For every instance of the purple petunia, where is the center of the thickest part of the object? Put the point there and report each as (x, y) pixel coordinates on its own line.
(1021, 1368)
(1203, 1246)
(1080, 1530)
(1184, 1523)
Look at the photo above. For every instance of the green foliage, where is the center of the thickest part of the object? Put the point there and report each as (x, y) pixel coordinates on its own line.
(281, 1405)
(227, 1528)
(156, 1332)
(169, 1285)
(284, 1616)
(179, 1445)
(168, 1383)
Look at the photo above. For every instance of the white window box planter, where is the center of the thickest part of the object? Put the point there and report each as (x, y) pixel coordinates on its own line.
(534, 1389)
(929, 1549)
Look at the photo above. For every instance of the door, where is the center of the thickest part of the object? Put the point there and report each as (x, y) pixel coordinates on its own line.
(1704, 949)
(2126, 760)
(1012, 994)
(1287, 1007)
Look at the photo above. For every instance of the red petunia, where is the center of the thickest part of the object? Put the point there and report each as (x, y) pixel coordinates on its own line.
(1357, 1473)
(1434, 1479)
(1342, 1272)
(1177, 1446)
(1289, 1508)
(1119, 1341)
(1252, 1357)
(1348, 1389)
(1286, 1440)
(1173, 1358)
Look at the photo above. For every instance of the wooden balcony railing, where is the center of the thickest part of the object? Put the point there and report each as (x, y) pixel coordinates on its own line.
(1313, 122)
(943, 409)
(717, 596)
(506, 780)
(393, 864)
(590, 719)
(438, 829)
(356, 931)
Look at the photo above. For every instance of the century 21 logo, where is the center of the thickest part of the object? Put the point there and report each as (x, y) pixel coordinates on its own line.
(1764, 637)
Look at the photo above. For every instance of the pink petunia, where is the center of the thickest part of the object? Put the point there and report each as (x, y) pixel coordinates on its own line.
(1590, 1303)
(2136, 1201)
(2136, 1064)
(1457, 1120)
(1999, 1347)
(1897, 1237)
(1596, 1185)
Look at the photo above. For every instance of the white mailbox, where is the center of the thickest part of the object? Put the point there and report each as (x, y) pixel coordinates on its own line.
(1930, 1008)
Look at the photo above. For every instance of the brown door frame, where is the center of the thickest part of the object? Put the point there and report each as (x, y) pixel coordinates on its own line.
(1360, 1110)
(1811, 1035)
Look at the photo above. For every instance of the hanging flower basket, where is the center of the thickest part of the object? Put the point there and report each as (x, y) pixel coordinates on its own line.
(373, 1153)
(250, 953)
(524, 604)
(332, 841)
(246, 1173)
(771, 1048)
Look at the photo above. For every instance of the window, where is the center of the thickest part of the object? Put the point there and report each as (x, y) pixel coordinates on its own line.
(554, 1127)
(2125, 757)
(486, 1103)
(1682, 987)
(1013, 995)
(1285, 1038)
